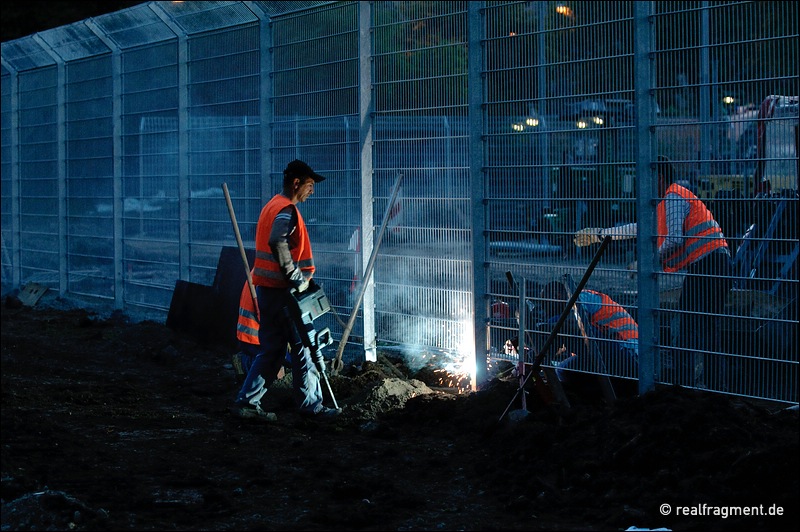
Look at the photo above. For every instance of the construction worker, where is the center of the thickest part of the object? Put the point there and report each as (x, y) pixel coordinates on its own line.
(606, 342)
(691, 242)
(284, 261)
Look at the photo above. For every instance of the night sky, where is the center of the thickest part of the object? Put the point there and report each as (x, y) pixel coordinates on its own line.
(21, 18)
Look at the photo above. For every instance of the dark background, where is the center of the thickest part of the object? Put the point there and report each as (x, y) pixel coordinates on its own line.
(23, 18)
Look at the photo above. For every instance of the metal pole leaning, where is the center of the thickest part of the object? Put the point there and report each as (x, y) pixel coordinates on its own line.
(330, 390)
(543, 351)
(337, 362)
(241, 250)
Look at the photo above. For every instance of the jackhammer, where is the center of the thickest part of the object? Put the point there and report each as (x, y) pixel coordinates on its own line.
(304, 308)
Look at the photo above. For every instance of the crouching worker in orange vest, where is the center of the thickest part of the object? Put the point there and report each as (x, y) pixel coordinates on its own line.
(613, 336)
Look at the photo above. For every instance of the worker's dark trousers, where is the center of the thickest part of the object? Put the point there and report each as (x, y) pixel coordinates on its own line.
(275, 332)
(702, 302)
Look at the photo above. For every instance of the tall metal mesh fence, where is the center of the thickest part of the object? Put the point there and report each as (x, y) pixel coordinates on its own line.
(119, 131)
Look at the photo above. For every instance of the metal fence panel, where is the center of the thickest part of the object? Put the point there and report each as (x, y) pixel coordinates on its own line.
(223, 102)
(734, 145)
(315, 118)
(7, 133)
(39, 195)
(149, 118)
(560, 158)
(423, 274)
(89, 177)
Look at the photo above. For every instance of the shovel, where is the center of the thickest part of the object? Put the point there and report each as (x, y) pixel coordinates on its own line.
(523, 340)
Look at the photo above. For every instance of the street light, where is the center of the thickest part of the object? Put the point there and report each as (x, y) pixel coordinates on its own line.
(728, 101)
(561, 9)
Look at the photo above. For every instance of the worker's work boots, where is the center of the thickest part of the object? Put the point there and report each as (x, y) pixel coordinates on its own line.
(248, 411)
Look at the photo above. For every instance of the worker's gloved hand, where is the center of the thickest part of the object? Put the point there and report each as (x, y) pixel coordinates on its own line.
(298, 281)
(319, 362)
(587, 236)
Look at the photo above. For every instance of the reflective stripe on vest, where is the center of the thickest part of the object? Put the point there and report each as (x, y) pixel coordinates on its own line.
(266, 269)
(702, 234)
(613, 318)
(247, 324)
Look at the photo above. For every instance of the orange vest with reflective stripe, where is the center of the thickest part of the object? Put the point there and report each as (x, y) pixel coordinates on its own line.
(702, 233)
(266, 270)
(614, 319)
(247, 326)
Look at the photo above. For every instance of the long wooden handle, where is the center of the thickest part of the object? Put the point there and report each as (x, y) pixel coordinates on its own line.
(241, 249)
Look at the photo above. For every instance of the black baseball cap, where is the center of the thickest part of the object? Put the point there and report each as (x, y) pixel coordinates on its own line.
(298, 168)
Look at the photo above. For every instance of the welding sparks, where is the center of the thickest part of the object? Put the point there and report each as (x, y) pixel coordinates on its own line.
(460, 373)
(453, 367)
(461, 382)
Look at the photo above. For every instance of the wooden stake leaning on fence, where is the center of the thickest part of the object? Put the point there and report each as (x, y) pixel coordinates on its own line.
(337, 362)
(241, 250)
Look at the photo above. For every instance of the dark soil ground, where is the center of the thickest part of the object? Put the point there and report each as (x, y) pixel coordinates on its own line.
(113, 425)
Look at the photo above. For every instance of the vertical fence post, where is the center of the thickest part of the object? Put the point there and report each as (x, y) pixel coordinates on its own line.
(475, 81)
(647, 263)
(366, 108)
(183, 139)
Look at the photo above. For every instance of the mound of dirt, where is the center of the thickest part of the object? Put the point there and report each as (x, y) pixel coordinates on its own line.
(109, 424)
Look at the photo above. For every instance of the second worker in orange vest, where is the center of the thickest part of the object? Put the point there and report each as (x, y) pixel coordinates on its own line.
(247, 337)
(690, 241)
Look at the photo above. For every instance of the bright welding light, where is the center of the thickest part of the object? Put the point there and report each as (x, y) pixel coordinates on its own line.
(533, 122)
(597, 120)
(581, 124)
(466, 352)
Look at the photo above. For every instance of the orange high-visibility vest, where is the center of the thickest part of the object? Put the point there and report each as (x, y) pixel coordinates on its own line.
(702, 233)
(266, 269)
(613, 318)
(247, 325)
